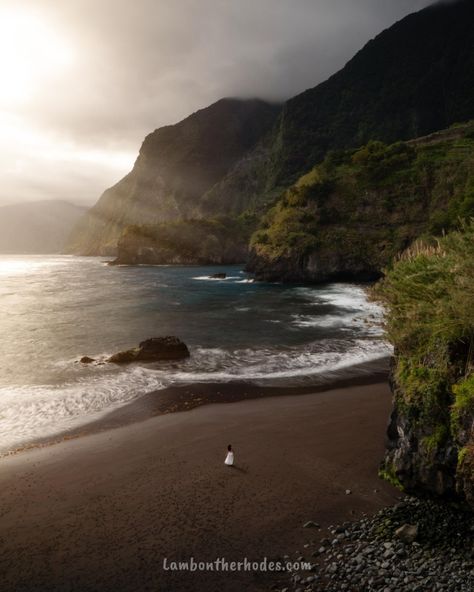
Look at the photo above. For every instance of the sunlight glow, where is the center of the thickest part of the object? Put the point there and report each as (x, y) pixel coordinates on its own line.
(31, 53)
(35, 144)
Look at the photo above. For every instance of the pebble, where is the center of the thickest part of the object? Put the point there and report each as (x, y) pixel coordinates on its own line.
(367, 555)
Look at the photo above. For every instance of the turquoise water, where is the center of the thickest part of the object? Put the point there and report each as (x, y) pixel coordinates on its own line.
(55, 309)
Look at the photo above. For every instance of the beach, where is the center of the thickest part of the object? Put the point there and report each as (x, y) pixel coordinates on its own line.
(103, 511)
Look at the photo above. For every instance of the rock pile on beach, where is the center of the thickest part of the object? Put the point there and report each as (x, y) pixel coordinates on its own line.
(414, 546)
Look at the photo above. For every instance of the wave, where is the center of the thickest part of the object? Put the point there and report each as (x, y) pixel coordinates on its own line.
(267, 365)
(207, 278)
(350, 309)
(33, 411)
(59, 297)
(30, 412)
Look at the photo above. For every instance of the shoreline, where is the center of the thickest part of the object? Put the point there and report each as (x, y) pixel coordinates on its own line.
(101, 512)
(181, 398)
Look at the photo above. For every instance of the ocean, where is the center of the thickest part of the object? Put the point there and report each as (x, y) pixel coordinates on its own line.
(56, 309)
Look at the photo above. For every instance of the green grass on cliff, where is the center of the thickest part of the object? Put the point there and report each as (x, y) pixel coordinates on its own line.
(374, 201)
(221, 239)
(429, 296)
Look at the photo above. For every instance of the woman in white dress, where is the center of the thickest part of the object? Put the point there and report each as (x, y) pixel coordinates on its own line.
(229, 459)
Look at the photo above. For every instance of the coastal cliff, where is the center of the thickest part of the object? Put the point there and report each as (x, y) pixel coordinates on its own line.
(220, 241)
(176, 167)
(352, 214)
(429, 293)
(239, 157)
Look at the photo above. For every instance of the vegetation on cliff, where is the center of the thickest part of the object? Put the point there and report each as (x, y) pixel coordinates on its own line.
(351, 214)
(177, 165)
(412, 79)
(429, 293)
(219, 240)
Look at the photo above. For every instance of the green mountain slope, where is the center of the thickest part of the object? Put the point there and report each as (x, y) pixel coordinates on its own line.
(176, 166)
(355, 211)
(238, 157)
(411, 80)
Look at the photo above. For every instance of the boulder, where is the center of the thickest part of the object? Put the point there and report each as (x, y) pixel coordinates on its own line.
(86, 360)
(218, 276)
(152, 350)
(407, 533)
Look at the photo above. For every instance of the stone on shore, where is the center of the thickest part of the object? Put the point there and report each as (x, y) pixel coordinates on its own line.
(407, 533)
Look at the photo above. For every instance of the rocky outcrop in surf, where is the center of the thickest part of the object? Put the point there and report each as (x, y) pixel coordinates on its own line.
(153, 350)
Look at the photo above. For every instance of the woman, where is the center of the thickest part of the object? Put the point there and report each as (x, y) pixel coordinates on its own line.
(229, 459)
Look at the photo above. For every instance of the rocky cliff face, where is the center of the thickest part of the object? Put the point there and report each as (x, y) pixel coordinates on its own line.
(176, 167)
(411, 80)
(352, 214)
(220, 241)
(240, 156)
(429, 297)
(430, 457)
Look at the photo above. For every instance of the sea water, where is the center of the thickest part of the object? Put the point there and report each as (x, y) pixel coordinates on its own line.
(56, 309)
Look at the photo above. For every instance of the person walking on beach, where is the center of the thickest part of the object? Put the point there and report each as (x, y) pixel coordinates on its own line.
(229, 459)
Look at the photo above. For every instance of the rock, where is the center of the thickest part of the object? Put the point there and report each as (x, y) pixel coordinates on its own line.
(86, 360)
(407, 533)
(348, 492)
(151, 350)
(311, 524)
(218, 276)
(124, 357)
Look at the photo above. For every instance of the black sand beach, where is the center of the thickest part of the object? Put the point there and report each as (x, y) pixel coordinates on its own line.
(102, 512)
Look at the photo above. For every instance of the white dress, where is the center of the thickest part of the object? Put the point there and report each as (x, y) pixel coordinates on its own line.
(229, 459)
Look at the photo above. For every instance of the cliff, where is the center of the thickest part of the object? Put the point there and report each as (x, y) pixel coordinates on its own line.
(429, 293)
(353, 213)
(414, 78)
(176, 167)
(215, 241)
(239, 156)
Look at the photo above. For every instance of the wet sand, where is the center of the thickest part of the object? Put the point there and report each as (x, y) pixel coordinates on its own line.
(102, 512)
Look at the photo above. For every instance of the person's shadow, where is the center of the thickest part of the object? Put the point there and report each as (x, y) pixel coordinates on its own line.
(243, 470)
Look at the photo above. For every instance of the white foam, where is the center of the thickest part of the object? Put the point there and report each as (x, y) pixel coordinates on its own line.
(354, 310)
(34, 411)
(268, 364)
(207, 278)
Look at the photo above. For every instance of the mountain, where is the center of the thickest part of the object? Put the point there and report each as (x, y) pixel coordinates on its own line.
(176, 166)
(413, 79)
(37, 227)
(353, 213)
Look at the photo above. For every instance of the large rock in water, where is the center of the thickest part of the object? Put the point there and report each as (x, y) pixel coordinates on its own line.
(152, 350)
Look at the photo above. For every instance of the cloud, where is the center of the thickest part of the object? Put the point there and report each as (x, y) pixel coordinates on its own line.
(140, 65)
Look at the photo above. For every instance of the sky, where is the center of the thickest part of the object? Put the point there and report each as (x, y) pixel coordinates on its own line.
(83, 81)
